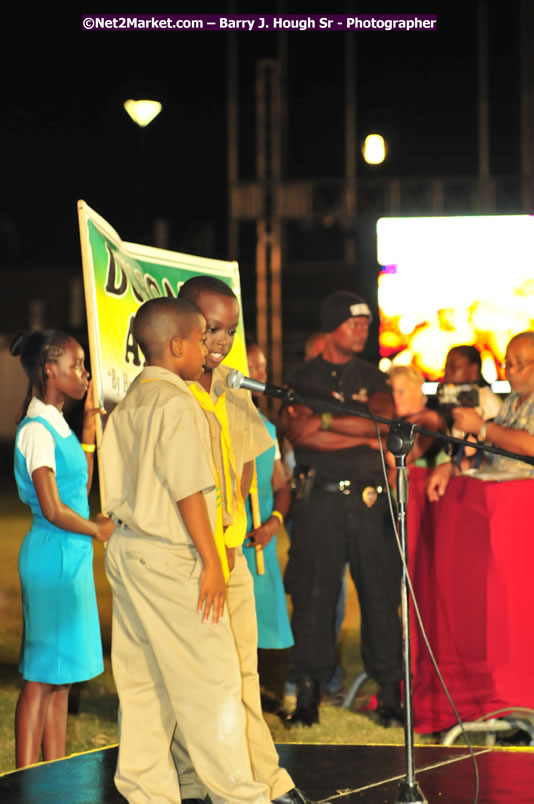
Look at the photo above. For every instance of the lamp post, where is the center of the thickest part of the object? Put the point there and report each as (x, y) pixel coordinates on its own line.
(142, 112)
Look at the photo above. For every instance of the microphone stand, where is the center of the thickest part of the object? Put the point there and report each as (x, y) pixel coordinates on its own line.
(400, 440)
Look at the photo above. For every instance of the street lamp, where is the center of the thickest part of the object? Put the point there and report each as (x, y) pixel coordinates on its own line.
(374, 149)
(142, 112)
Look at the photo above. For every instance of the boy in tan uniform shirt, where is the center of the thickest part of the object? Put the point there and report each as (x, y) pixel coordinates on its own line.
(173, 672)
(249, 438)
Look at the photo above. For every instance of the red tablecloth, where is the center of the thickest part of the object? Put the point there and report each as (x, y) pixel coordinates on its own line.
(471, 558)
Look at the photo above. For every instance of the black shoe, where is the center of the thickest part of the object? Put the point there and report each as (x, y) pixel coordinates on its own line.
(294, 796)
(389, 709)
(390, 716)
(308, 697)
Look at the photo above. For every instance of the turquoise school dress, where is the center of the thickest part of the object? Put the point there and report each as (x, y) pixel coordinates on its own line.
(274, 630)
(61, 642)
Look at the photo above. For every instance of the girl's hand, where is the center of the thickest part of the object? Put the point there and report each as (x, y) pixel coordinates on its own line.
(90, 412)
(264, 533)
(104, 527)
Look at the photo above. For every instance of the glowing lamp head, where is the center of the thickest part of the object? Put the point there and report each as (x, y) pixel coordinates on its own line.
(374, 149)
(142, 112)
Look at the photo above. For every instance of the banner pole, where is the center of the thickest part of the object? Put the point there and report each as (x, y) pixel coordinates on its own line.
(90, 308)
(256, 520)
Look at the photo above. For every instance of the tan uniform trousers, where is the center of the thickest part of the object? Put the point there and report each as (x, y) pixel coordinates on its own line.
(263, 755)
(170, 668)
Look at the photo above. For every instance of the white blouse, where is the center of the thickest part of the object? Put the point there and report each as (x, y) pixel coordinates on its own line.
(35, 442)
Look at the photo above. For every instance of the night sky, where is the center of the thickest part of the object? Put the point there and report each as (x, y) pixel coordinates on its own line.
(65, 135)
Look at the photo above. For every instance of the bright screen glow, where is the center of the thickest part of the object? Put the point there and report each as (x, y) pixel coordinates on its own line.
(451, 281)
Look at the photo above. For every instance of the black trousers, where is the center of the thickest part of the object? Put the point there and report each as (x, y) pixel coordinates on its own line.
(328, 530)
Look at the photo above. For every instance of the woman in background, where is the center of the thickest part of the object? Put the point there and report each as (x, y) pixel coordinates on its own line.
(61, 642)
(410, 405)
(274, 494)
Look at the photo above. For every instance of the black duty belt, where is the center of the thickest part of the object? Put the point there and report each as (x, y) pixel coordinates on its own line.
(346, 487)
(306, 480)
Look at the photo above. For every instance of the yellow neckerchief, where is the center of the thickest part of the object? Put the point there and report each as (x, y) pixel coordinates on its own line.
(218, 536)
(234, 534)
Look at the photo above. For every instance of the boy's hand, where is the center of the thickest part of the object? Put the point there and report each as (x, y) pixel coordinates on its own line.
(194, 513)
(212, 593)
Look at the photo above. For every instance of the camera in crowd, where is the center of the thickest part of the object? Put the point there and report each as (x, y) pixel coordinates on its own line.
(449, 396)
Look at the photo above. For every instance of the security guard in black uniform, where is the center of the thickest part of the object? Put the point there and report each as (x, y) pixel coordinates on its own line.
(341, 514)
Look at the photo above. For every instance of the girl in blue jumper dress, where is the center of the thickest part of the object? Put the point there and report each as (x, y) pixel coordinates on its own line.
(61, 642)
(274, 497)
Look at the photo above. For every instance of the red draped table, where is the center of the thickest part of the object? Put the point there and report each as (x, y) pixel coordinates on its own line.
(471, 559)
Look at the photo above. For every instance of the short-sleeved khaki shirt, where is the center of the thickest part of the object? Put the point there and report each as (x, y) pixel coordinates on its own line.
(156, 451)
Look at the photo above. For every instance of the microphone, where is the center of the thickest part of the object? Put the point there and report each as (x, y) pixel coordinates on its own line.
(236, 379)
